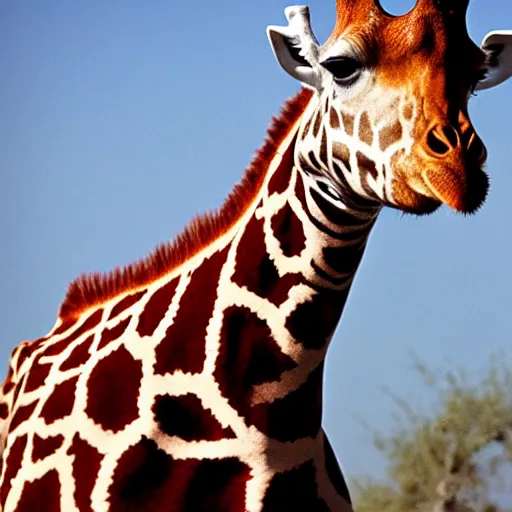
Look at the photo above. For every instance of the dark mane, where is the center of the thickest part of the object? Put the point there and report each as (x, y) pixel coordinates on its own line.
(92, 289)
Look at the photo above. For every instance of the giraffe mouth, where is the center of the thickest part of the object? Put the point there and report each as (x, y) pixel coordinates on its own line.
(464, 192)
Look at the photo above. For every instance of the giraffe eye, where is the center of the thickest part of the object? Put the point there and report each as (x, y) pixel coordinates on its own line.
(345, 70)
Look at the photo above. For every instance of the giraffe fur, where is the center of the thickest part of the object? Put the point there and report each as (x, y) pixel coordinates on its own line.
(192, 381)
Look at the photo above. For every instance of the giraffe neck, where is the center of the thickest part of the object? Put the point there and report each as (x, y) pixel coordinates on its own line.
(290, 266)
(210, 373)
(254, 314)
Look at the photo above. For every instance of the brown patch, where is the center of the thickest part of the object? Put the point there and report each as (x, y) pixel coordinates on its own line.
(218, 485)
(114, 333)
(113, 391)
(85, 471)
(278, 183)
(313, 321)
(41, 494)
(60, 403)
(93, 289)
(297, 415)
(408, 111)
(125, 303)
(324, 157)
(184, 345)
(390, 134)
(56, 348)
(307, 127)
(23, 351)
(37, 375)
(285, 284)
(341, 151)
(294, 490)
(4, 411)
(18, 388)
(139, 481)
(9, 379)
(366, 165)
(44, 447)
(248, 356)
(22, 414)
(65, 325)
(281, 178)
(7, 387)
(289, 231)
(252, 254)
(317, 123)
(156, 308)
(348, 123)
(149, 480)
(78, 356)
(255, 270)
(185, 417)
(334, 118)
(365, 129)
(12, 466)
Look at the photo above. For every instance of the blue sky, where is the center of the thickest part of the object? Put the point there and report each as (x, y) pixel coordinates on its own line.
(122, 120)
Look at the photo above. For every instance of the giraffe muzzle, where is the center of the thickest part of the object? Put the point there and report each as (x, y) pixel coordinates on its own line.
(454, 174)
(462, 190)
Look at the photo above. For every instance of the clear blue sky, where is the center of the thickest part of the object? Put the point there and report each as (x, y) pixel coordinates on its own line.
(121, 120)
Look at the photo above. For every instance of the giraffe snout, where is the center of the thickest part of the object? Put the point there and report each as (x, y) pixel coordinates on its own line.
(453, 157)
(445, 142)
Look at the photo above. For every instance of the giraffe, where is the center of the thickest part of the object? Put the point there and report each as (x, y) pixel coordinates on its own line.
(192, 380)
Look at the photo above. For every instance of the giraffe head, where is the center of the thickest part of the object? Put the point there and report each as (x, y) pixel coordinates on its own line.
(392, 118)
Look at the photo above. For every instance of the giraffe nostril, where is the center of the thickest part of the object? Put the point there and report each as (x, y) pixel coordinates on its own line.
(436, 144)
(442, 140)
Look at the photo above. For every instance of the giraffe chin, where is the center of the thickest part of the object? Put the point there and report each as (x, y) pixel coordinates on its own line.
(413, 199)
(422, 205)
(463, 192)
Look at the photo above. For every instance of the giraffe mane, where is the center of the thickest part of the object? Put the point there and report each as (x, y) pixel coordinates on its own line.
(91, 289)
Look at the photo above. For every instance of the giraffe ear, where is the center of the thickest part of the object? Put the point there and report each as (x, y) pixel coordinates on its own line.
(296, 48)
(498, 47)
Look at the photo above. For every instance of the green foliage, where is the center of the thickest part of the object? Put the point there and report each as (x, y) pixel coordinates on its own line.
(453, 460)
